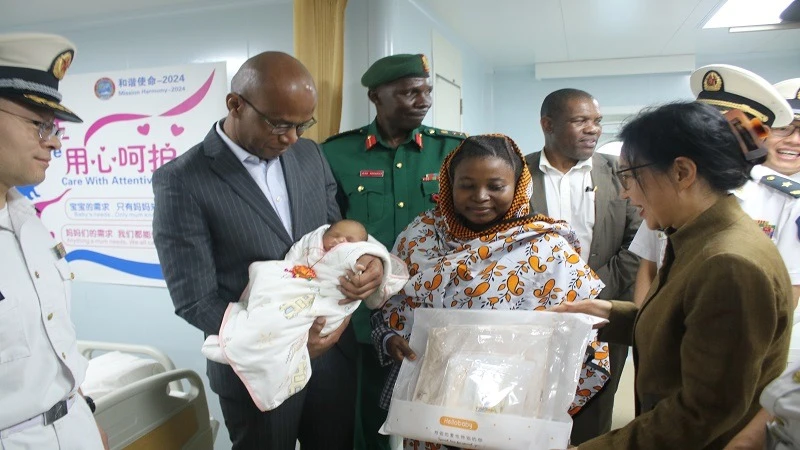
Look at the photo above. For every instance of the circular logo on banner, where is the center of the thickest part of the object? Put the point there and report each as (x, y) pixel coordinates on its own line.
(104, 88)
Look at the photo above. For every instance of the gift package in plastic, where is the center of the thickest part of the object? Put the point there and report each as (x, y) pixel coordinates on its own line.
(490, 379)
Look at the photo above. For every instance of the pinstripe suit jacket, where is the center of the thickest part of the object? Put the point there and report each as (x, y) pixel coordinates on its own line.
(212, 221)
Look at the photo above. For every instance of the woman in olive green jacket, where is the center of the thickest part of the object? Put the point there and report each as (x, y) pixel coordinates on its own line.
(714, 328)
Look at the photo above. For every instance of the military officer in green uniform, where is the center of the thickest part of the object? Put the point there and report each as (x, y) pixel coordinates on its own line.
(388, 173)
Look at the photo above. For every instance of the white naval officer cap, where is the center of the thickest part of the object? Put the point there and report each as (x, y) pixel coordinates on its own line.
(729, 87)
(31, 65)
(790, 90)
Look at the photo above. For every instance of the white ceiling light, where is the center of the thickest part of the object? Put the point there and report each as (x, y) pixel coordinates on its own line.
(743, 13)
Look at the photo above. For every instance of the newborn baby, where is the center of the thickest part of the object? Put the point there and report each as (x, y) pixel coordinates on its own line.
(264, 335)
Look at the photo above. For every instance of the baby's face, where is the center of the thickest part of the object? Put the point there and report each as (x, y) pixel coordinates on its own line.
(343, 232)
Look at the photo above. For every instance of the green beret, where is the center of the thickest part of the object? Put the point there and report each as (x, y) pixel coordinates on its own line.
(395, 67)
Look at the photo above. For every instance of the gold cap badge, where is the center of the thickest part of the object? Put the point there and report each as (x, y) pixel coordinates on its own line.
(426, 66)
(712, 81)
(61, 64)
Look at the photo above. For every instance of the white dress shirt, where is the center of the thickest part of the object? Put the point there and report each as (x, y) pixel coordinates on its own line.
(268, 175)
(570, 197)
(649, 244)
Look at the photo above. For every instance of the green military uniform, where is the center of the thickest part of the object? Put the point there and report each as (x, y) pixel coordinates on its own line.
(384, 189)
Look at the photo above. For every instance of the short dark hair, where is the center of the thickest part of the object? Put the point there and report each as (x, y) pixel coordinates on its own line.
(690, 129)
(487, 146)
(556, 102)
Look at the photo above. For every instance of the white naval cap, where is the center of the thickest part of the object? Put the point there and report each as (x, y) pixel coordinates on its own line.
(31, 65)
(790, 90)
(729, 87)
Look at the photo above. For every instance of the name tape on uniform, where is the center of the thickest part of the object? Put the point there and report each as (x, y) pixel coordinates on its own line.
(371, 173)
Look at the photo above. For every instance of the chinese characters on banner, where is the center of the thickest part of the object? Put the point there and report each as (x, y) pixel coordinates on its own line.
(97, 197)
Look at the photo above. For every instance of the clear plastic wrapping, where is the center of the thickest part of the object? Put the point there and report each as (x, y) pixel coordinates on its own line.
(490, 379)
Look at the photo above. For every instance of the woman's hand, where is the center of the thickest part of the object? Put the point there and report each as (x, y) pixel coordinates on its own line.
(397, 347)
(597, 308)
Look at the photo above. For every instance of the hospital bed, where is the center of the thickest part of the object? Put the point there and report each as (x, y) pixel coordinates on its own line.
(143, 401)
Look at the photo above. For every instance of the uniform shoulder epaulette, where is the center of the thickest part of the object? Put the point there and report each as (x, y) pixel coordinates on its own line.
(430, 131)
(362, 130)
(785, 185)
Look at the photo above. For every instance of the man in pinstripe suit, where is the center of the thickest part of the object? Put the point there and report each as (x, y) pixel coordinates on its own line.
(245, 194)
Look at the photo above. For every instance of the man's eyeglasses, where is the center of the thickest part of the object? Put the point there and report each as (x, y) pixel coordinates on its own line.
(785, 131)
(46, 130)
(283, 128)
(626, 174)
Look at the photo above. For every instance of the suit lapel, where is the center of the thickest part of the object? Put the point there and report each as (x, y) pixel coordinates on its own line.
(604, 194)
(539, 197)
(225, 164)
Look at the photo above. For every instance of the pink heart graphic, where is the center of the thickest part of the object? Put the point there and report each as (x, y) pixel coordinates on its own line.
(176, 130)
(143, 129)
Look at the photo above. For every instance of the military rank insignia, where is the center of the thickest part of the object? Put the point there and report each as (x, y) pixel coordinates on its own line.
(781, 184)
(370, 141)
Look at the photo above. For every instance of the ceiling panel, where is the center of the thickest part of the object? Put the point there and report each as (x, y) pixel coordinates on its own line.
(36, 12)
(505, 32)
(692, 38)
(622, 28)
(513, 33)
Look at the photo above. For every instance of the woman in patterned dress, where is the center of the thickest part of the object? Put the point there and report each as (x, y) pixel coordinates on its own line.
(481, 248)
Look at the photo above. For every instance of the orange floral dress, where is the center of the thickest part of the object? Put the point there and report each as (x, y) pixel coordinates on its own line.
(524, 262)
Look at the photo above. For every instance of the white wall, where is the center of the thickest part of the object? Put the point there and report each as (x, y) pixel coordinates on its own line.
(145, 315)
(410, 30)
(355, 105)
(413, 33)
(518, 95)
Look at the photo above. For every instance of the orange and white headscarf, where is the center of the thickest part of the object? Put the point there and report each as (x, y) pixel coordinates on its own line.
(522, 262)
(516, 215)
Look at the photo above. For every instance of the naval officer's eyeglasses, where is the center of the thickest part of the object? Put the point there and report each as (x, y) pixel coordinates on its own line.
(785, 131)
(283, 128)
(47, 130)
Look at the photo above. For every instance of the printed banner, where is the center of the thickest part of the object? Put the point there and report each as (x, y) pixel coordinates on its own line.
(97, 197)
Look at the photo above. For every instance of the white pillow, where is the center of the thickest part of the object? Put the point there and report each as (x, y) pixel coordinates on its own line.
(114, 370)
